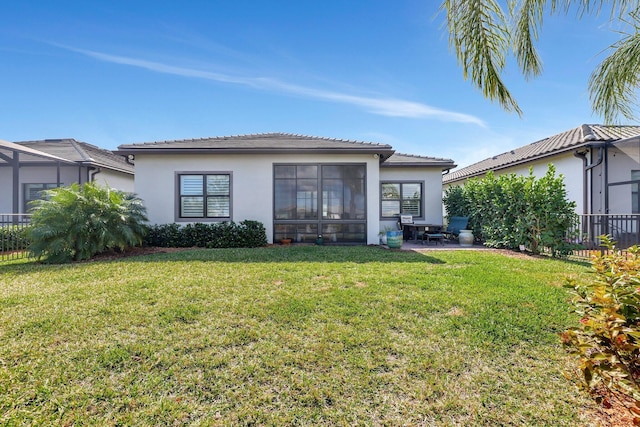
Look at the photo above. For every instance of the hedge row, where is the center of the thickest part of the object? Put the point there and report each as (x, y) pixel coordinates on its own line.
(13, 238)
(246, 234)
(512, 210)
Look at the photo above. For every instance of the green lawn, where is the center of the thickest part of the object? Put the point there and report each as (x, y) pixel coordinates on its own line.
(288, 336)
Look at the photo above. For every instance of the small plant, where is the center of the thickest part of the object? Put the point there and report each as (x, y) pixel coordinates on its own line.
(77, 222)
(386, 228)
(607, 339)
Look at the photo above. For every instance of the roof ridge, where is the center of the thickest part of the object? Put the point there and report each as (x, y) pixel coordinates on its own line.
(587, 133)
(76, 145)
(262, 134)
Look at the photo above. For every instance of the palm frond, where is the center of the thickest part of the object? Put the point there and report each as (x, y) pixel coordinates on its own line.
(528, 20)
(480, 36)
(619, 8)
(613, 84)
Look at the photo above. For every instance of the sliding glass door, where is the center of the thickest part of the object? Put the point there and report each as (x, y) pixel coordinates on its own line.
(320, 199)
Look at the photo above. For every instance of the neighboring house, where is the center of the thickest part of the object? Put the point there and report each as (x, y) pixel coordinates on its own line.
(298, 186)
(600, 164)
(27, 168)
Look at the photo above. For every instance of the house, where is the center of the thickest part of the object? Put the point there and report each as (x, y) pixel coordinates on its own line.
(298, 186)
(600, 164)
(28, 167)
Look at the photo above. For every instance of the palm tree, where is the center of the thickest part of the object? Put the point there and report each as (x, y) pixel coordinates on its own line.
(484, 32)
(80, 221)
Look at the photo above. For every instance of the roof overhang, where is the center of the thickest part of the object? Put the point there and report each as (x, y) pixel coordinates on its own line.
(633, 139)
(125, 151)
(442, 165)
(94, 164)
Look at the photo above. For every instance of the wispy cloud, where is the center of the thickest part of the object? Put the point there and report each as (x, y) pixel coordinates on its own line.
(382, 106)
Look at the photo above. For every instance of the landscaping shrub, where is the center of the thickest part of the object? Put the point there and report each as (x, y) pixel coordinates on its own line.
(80, 221)
(455, 202)
(13, 238)
(607, 338)
(246, 234)
(511, 210)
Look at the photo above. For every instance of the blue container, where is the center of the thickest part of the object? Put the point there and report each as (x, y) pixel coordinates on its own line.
(394, 239)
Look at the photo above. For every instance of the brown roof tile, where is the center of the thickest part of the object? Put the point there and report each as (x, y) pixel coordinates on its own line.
(568, 140)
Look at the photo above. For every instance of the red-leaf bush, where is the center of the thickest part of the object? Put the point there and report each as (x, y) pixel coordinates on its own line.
(607, 338)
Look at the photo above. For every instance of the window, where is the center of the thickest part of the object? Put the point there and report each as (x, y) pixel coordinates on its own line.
(401, 198)
(296, 192)
(34, 192)
(343, 193)
(206, 195)
(635, 191)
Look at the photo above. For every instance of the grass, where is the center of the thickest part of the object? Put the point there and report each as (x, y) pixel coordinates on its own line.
(287, 336)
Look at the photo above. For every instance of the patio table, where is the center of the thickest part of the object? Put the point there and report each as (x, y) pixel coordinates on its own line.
(416, 227)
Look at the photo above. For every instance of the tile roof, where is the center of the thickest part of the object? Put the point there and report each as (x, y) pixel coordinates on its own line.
(80, 152)
(409, 160)
(26, 154)
(261, 142)
(565, 141)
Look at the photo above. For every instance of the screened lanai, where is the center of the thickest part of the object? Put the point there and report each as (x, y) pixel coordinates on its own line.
(16, 162)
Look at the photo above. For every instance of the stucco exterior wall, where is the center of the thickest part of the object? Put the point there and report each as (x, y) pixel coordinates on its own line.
(432, 187)
(118, 180)
(251, 188)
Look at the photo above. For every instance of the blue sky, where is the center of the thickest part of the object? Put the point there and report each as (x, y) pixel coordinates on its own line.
(116, 72)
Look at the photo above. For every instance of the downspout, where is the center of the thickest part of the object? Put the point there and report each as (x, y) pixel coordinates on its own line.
(92, 172)
(606, 180)
(586, 168)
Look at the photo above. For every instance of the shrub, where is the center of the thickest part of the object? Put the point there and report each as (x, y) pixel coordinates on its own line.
(13, 238)
(511, 210)
(80, 221)
(607, 338)
(455, 202)
(246, 234)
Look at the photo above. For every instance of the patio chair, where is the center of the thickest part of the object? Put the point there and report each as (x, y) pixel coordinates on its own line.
(402, 221)
(456, 223)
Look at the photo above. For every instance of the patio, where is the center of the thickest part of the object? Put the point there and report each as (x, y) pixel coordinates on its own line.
(417, 245)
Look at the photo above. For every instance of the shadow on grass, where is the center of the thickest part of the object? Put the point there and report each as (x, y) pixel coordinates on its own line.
(279, 254)
(272, 254)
